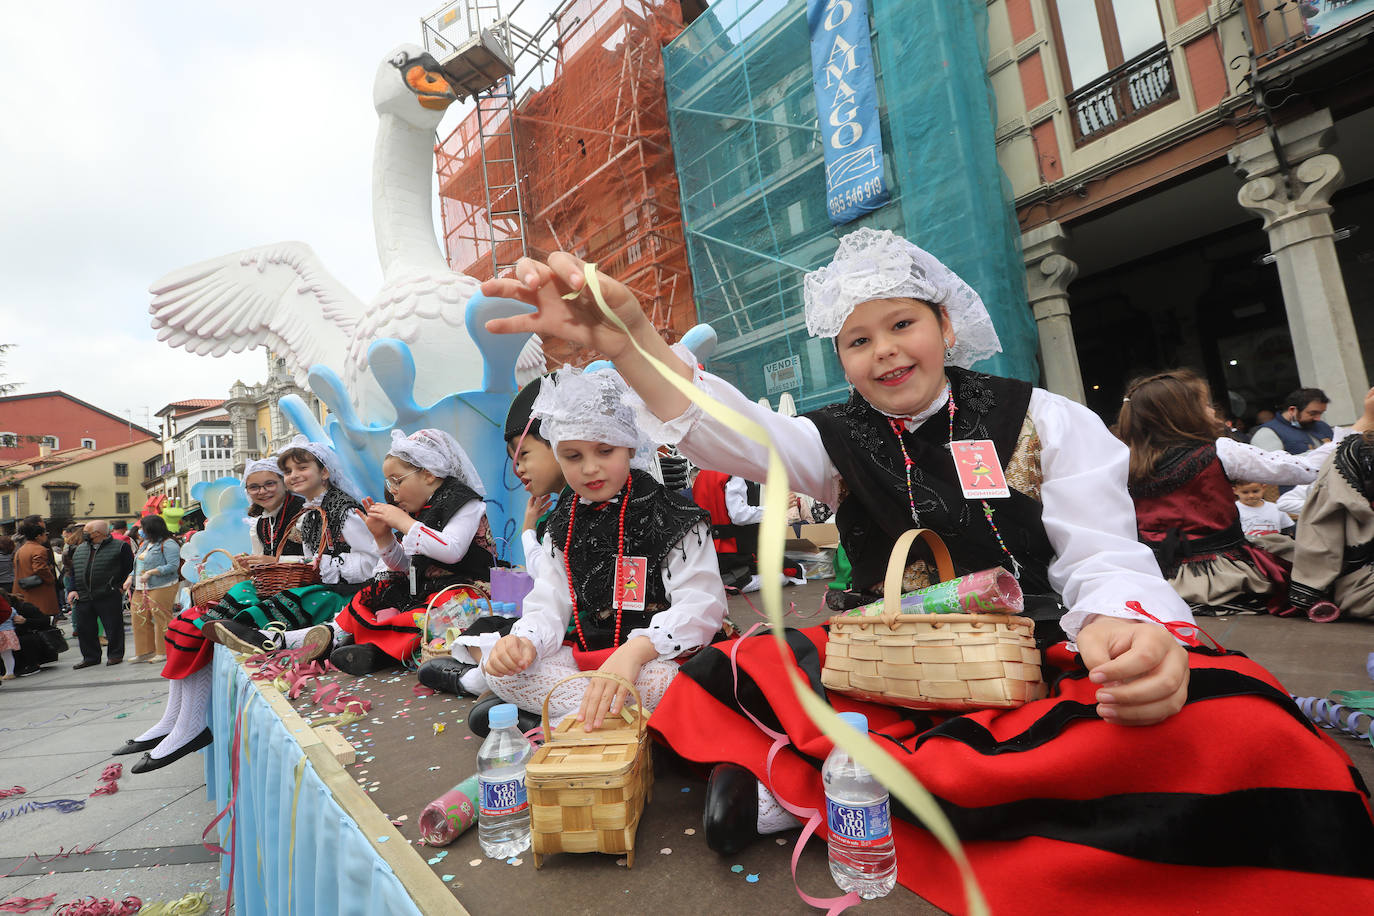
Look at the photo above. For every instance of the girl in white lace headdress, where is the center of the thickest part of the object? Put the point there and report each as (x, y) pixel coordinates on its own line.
(632, 568)
(906, 329)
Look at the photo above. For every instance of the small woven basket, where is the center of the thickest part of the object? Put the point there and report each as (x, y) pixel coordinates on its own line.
(210, 591)
(271, 575)
(428, 652)
(587, 790)
(933, 661)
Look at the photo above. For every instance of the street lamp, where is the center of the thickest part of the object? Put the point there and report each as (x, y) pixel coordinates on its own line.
(90, 507)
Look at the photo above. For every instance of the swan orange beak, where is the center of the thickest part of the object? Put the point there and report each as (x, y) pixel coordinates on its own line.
(430, 87)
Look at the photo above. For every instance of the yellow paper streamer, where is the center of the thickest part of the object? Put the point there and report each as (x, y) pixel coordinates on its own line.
(772, 536)
(190, 905)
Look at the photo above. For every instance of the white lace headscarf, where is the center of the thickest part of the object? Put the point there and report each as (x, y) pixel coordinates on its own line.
(590, 406)
(879, 264)
(337, 475)
(437, 452)
(261, 464)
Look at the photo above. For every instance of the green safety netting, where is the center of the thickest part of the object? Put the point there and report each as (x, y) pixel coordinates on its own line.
(751, 169)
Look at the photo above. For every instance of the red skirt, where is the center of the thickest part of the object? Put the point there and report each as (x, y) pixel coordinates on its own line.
(187, 648)
(1237, 804)
(396, 635)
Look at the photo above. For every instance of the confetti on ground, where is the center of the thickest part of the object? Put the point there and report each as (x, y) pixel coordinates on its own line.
(690, 831)
(752, 879)
(780, 841)
(412, 737)
(403, 817)
(620, 862)
(475, 862)
(121, 715)
(515, 860)
(432, 769)
(686, 789)
(383, 839)
(449, 877)
(435, 861)
(438, 728)
(665, 851)
(737, 868)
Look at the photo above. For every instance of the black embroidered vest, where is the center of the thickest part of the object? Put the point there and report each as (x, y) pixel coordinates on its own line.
(475, 565)
(656, 521)
(337, 506)
(876, 510)
(273, 527)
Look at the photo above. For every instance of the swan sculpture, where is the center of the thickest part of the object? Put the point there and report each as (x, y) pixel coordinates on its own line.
(281, 295)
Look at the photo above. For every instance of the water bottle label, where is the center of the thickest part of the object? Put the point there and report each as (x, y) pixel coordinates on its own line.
(868, 825)
(500, 798)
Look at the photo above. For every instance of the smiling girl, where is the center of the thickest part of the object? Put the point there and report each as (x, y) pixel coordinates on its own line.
(1111, 817)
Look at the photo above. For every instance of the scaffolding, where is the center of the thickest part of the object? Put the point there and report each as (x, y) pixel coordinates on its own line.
(579, 162)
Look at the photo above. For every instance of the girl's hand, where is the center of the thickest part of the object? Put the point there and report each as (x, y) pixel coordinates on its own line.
(536, 507)
(510, 655)
(1141, 670)
(543, 285)
(604, 697)
(19, 619)
(390, 516)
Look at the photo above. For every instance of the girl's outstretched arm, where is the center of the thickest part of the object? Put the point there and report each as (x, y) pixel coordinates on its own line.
(579, 319)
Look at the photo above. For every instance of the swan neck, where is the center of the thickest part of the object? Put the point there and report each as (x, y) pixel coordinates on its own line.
(402, 214)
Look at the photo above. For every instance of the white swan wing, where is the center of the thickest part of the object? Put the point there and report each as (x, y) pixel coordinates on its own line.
(276, 295)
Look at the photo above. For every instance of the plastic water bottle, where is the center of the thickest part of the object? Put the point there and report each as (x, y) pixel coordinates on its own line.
(450, 814)
(862, 857)
(503, 814)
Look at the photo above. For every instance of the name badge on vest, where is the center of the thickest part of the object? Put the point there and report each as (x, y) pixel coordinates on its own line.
(980, 472)
(630, 576)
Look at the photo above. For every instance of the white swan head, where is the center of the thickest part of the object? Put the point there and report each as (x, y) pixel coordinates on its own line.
(411, 86)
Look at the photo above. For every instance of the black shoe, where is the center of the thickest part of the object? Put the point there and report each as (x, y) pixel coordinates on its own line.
(115, 661)
(731, 818)
(360, 658)
(147, 762)
(241, 638)
(133, 747)
(481, 710)
(85, 664)
(445, 675)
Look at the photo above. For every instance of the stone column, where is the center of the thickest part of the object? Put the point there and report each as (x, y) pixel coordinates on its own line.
(1296, 209)
(1048, 275)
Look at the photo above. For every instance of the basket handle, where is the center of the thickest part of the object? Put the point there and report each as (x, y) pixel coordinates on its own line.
(434, 599)
(233, 560)
(590, 674)
(324, 533)
(896, 566)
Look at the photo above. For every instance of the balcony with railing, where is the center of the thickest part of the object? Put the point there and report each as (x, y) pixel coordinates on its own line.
(1140, 85)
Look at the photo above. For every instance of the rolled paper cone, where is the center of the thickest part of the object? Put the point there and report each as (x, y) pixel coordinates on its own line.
(988, 591)
(450, 814)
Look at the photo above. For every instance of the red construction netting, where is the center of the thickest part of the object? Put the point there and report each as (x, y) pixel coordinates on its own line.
(595, 162)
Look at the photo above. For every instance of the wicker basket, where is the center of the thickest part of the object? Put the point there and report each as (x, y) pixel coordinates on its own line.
(587, 790)
(933, 661)
(210, 591)
(274, 576)
(428, 653)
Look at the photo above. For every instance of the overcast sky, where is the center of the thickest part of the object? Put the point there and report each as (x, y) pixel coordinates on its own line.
(140, 137)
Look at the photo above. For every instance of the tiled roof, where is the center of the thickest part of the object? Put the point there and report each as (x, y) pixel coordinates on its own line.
(66, 458)
(198, 403)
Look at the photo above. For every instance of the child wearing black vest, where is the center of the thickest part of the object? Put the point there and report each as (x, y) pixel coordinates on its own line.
(629, 567)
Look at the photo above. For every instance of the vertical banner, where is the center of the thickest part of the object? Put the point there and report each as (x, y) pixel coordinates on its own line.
(847, 108)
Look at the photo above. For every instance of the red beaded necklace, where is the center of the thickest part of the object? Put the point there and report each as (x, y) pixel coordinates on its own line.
(616, 596)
